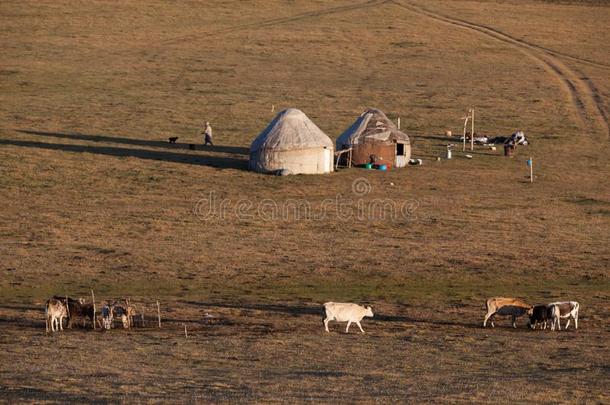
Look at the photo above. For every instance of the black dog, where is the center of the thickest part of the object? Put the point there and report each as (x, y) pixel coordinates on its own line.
(173, 139)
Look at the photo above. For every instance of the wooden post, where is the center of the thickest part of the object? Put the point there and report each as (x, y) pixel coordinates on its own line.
(398, 122)
(68, 308)
(464, 135)
(186, 335)
(93, 302)
(159, 313)
(272, 108)
(349, 164)
(472, 129)
(531, 165)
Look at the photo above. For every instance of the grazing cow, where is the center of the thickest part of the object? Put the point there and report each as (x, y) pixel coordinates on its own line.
(344, 312)
(566, 309)
(512, 307)
(120, 312)
(55, 311)
(130, 311)
(540, 314)
(78, 309)
(107, 317)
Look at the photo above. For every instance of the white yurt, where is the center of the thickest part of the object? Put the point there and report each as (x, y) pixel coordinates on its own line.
(292, 144)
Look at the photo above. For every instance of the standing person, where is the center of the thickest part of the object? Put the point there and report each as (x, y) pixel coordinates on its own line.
(207, 134)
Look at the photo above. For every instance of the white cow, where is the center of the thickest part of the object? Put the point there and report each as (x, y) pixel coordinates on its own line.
(565, 309)
(55, 311)
(345, 312)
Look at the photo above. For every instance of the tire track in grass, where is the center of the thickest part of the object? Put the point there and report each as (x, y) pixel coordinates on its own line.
(276, 21)
(584, 96)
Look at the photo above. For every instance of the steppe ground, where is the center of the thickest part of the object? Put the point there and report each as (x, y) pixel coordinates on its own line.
(93, 197)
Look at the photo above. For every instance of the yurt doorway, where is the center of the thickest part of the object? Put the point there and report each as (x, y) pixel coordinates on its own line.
(401, 155)
(328, 160)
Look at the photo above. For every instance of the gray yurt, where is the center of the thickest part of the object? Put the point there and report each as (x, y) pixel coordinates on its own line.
(292, 144)
(375, 139)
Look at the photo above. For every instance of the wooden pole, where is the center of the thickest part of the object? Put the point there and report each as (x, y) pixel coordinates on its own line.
(186, 335)
(68, 308)
(464, 136)
(531, 170)
(472, 129)
(159, 313)
(398, 121)
(93, 302)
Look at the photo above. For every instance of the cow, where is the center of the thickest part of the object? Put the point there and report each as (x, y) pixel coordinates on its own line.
(119, 311)
(565, 309)
(512, 307)
(55, 311)
(78, 309)
(540, 314)
(107, 316)
(345, 312)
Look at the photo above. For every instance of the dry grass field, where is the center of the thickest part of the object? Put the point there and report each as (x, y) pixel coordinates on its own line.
(95, 198)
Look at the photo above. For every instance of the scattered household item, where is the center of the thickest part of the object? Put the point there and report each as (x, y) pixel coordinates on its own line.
(509, 150)
(383, 168)
(292, 142)
(172, 139)
(417, 162)
(468, 156)
(448, 133)
(374, 134)
(492, 148)
(368, 165)
(438, 158)
(530, 163)
(478, 140)
(518, 138)
(448, 154)
(391, 183)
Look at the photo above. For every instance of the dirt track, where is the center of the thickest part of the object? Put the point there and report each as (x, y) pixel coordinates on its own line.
(584, 96)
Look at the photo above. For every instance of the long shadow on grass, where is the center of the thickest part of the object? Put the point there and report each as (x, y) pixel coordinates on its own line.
(23, 322)
(213, 161)
(294, 310)
(238, 150)
(21, 394)
(298, 310)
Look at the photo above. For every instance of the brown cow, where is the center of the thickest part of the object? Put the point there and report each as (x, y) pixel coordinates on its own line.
(512, 307)
(78, 309)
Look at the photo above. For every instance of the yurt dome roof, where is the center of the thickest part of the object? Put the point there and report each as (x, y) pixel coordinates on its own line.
(291, 129)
